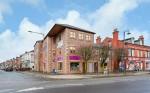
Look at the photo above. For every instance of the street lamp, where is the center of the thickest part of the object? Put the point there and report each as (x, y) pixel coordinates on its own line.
(43, 38)
(37, 33)
(124, 34)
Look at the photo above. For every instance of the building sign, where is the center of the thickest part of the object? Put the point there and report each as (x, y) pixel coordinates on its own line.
(137, 60)
(74, 57)
(59, 44)
(60, 58)
(121, 65)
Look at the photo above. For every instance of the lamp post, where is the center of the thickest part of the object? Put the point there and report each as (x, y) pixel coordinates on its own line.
(37, 33)
(124, 34)
(43, 38)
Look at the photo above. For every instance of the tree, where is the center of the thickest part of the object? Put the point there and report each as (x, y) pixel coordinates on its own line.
(120, 54)
(103, 53)
(86, 53)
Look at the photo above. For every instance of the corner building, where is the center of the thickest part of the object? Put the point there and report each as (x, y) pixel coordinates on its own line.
(59, 46)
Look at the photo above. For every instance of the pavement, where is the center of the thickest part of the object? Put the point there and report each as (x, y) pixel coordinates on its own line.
(81, 76)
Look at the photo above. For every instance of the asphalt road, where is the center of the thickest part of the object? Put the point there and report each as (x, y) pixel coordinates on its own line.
(16, 82)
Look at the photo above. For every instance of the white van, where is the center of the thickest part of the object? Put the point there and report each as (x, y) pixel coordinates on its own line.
(148, 69)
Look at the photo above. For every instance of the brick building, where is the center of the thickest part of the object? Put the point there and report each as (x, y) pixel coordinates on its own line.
(38, 56)
(18, 62)
(58, 48)
(138, 53)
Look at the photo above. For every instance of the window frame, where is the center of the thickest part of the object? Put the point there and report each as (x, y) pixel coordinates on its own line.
(72, 34)
(76, 66)
(81, 36)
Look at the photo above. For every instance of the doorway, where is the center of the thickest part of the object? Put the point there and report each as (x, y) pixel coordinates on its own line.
(96, 67)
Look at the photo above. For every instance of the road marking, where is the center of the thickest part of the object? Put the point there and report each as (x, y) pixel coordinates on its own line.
(54, 86)
(30, 89)
(64, 85)
(6, 90)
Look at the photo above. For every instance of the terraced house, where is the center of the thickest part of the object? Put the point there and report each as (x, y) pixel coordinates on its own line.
(138, 53)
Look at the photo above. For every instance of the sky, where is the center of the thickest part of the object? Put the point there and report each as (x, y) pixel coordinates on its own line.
(17, 17)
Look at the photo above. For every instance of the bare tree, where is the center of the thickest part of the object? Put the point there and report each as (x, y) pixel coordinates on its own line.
(120, 54)
(103, 53)
(86, 53)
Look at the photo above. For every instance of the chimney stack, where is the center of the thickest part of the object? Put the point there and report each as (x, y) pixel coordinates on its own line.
(141, 38)
(98, 40)
(115, 34)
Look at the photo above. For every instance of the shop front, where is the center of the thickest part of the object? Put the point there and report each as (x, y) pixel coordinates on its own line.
(75, 64)
(135, 64)
(147, 63)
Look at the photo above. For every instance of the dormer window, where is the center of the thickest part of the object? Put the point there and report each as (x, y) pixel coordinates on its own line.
(140, 42)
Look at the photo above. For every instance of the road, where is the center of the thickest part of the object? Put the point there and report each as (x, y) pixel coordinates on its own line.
(16, 82)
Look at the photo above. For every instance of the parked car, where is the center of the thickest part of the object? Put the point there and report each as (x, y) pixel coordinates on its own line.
(148, 69)
(9, 69)
(136, 69)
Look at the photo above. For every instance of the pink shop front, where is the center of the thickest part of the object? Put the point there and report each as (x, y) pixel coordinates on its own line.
(135, 63)
(69, 64)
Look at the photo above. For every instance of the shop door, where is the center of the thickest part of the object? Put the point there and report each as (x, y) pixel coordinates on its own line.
(90, 68)
(96, 67)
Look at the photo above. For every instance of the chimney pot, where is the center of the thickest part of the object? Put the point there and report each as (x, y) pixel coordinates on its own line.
(98, 40)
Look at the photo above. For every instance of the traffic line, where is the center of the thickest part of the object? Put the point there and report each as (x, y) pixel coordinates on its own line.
(53, 86)
(30, 89)
(6, 90)
(64, 85)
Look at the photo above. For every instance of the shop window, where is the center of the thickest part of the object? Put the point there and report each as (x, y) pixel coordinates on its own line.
(72, 34)
(74, 66)
(80, 36)
(72, 49)
(60, 66)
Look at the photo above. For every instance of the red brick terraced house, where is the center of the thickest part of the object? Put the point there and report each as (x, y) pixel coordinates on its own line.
(138, 53)
(18, 62)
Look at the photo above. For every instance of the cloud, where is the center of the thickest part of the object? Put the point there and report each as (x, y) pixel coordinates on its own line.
(139, 33)
(14, 44)
(4, 8)
(35, 3)
(111, 15)
(74, 18)
(102, 21)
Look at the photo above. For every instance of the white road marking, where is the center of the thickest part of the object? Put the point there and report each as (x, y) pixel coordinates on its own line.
(53, 86)
(6, 90)
(64, 85)
(30, 89)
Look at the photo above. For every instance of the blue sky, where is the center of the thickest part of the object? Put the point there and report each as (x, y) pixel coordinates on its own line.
(100, 16)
